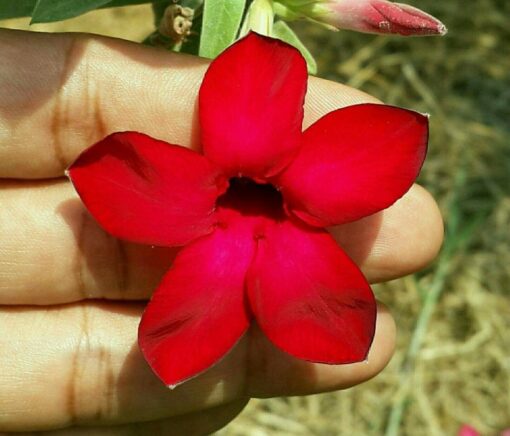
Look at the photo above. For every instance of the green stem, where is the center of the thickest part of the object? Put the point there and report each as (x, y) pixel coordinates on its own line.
(260, 17)
(420, 330)
(454, 242)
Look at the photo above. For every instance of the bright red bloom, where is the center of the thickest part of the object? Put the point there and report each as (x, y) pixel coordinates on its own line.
(251, 211)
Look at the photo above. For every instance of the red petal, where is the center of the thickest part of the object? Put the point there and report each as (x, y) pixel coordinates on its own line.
(147, 191)
(309, 298)
(198, 313)
(251, 106)
(354, 162)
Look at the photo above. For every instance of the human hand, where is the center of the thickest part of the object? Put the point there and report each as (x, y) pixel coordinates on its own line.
(78, 364)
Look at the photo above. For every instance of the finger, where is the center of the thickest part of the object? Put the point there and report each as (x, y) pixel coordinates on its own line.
(400, 240)
(80, 365)
(272, 374)
(60, 93)
(53, 252)
(191, 424)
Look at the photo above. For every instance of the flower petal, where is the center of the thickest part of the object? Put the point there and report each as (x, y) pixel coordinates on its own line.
(198, 313)
(309, 298)
(147, 191)
(251, 106)
(354, 162)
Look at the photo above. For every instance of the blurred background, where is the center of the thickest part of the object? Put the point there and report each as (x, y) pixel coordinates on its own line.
(452, 364)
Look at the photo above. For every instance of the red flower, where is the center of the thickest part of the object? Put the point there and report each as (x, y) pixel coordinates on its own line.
(467, 430)
(251, 211)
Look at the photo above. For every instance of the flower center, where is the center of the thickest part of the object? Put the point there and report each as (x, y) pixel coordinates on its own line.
(252, 199)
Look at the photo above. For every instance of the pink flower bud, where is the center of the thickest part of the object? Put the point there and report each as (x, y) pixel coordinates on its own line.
(467, 430)
(379, 16)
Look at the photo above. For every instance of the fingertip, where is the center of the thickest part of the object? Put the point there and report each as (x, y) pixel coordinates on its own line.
(382, 349)
(411, 238)
(398, 241)
(433, 228)
(324, 96)
(274, 373)
(337, 377)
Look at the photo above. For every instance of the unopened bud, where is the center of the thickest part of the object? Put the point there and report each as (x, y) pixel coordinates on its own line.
(369, 16)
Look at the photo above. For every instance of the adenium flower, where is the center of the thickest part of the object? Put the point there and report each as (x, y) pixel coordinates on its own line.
(251, 212)
(368, 16)
(467, 430)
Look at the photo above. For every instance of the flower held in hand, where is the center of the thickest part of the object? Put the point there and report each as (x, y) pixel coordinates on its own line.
(251, 211)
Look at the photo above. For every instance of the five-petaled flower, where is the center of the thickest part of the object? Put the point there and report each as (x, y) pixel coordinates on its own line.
(251, 210)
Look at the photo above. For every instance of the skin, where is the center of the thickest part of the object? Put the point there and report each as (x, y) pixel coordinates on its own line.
(71, 296)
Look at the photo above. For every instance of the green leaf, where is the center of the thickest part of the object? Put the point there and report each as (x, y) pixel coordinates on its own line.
(220, 25)
(16, 8)
(282, 31)
(24, 8)
(46, 11)
(116, 3)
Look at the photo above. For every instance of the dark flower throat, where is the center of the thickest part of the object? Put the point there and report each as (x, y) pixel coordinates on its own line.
(251, 198)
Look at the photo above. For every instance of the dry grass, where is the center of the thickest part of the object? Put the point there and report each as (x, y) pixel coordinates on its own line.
(455, 366)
